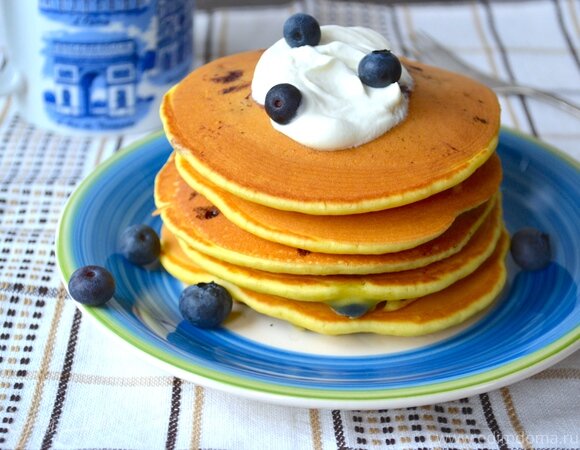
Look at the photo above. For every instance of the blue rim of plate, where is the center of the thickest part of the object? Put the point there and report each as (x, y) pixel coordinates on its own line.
(535, 324)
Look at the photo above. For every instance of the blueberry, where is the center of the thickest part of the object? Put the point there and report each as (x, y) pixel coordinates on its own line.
(351, 310)
(301, 29)
(140, 244)
(282, 102)
(91, 285)
(379, 69)
(205, 305)
(530, 249)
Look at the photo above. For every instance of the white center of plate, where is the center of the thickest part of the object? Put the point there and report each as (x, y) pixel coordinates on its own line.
(284, 336)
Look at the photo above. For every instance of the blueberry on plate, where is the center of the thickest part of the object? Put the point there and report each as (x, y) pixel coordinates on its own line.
(379, 69)
(205, 305)
(530, 249)
(91, 285)
(140, 244)
(301, 29)
(282, 102)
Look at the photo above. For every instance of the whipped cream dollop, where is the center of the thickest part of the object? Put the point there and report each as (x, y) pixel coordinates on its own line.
(337, 110)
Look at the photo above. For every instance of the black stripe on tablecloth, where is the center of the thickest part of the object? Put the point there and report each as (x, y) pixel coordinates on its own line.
(29, 289)
(63, 382)
(506, 61)
(567, 38)
(492, 421)
(338, 427)
(173, 423)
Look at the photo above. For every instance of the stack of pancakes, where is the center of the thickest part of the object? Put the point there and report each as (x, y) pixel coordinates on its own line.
(402, 235)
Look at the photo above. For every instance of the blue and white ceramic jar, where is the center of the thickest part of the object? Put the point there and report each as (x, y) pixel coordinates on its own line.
(95, 66)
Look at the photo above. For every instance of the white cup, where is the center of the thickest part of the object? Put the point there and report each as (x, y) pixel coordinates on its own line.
(94, 66)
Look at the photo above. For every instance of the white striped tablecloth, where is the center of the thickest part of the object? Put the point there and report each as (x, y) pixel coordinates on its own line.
(65, 385)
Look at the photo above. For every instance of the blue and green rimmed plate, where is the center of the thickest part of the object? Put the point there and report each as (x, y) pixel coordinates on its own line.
(534, 324)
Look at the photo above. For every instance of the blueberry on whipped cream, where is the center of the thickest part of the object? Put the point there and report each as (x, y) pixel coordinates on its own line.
(282, 102)
(379, 68)
(301, 29)
(338, 108)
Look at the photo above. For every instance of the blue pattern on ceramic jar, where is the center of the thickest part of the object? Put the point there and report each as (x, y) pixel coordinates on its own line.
(96, 80)
(110, 62)
(174, 41)
(84, 13)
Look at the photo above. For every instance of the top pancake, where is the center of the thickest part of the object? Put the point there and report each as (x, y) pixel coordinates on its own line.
(450, 131)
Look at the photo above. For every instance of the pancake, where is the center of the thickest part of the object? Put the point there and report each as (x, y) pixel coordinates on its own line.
(196, 221)
(374, 287)
(451, 130)
(387, 231)
(428, 314)
(179, 265)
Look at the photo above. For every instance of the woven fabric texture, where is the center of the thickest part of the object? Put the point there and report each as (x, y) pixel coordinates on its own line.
(66, 385)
